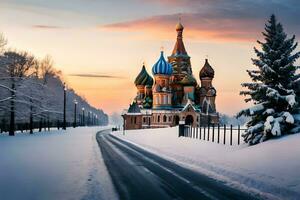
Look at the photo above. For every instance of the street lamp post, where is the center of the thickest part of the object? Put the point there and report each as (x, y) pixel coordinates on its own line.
(89, 118)
(75, 113)
(65, 91)
(124, 124)
(83, 121)
(149, 121)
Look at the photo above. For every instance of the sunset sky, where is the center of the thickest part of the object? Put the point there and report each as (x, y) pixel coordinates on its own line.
(100, 45)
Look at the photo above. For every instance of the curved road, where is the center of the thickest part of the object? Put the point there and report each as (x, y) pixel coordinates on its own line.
(138, 174)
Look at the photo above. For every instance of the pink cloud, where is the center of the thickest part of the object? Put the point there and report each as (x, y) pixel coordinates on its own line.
(198, 27)
(215, 19)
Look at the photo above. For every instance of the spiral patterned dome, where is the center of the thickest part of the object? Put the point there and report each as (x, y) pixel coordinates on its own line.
(162, 66)
(207, 71)
(143, 78)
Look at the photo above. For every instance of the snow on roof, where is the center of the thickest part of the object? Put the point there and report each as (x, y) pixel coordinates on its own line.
(166, 111)
(134, 114)
(146, 111)
(190, 104)
(134, 108)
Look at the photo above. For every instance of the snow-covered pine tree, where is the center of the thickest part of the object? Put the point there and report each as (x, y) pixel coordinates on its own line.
(273, 88)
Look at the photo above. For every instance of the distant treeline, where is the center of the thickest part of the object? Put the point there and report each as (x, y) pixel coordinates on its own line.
(32, 92)
(233, 120)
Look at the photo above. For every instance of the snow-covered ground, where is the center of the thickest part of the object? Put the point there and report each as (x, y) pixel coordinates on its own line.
(270, 168)
(54, 165)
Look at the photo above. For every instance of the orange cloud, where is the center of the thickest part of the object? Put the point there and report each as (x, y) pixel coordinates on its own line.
(198, 27)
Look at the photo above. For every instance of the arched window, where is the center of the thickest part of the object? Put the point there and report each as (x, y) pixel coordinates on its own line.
(134, 120)
(176, 119)
(205, 105)
(164, 118)
(158, 118)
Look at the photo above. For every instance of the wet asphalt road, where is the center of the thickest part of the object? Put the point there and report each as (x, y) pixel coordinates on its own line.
(140, 175)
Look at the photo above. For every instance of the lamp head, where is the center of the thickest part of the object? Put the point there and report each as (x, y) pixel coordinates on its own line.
(65, 87)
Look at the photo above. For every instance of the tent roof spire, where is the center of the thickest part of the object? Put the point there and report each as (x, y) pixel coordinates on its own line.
(179, 48)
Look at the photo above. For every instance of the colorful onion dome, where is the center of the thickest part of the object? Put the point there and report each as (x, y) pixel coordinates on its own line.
(207, 71)
(162, 66)
(143, 78)
(188, 80)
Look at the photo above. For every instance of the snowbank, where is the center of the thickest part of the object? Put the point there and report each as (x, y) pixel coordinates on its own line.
(53, 165)
(270, 168)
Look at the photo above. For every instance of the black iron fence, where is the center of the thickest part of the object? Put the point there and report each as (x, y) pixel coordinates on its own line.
(41, 125)
(214, 133)
(116, 128)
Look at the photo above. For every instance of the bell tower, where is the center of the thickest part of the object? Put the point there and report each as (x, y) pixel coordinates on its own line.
(207, 91)
(181, 64)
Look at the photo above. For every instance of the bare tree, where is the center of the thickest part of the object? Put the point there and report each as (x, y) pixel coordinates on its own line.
(3, 42)
(15, 65)
(46, 68)
(32, 91)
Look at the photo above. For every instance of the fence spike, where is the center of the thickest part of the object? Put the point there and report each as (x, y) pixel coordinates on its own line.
(224, 139)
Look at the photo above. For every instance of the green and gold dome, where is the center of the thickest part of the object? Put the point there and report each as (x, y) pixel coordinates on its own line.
(143, 78)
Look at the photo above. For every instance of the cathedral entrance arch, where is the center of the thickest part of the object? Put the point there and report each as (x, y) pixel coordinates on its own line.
(189, 120)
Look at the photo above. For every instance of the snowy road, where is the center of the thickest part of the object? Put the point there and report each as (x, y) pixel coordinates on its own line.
(139, 174)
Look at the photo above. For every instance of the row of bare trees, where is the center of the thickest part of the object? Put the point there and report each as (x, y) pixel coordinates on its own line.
(31, 92)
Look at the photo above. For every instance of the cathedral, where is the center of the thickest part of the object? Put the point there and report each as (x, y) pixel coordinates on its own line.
(173, 95)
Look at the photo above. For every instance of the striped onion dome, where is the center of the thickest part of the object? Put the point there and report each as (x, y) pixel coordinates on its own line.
(207, 71)
(143, 78)
(162, 66)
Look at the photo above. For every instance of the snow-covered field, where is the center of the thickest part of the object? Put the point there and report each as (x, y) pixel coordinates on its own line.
(54, 165)
(270, 168)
